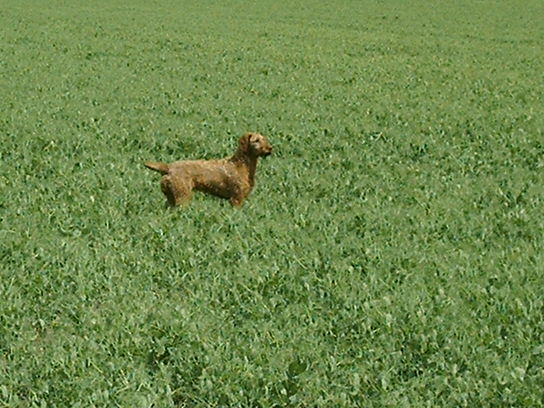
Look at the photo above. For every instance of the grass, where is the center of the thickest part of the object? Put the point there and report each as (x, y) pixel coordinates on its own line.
(390, 255)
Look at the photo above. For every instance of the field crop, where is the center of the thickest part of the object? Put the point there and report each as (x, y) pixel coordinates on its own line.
(390, 255)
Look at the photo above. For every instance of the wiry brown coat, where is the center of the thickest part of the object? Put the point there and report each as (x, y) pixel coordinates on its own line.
(232, 178)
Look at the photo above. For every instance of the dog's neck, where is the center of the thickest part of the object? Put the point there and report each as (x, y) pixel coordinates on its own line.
(248, 162)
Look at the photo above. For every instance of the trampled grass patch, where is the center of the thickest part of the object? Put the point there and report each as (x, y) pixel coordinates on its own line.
(390, 254)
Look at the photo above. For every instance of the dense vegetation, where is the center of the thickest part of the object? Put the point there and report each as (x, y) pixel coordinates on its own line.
(390, 255)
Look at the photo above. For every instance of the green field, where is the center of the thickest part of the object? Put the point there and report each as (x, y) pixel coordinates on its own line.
(391, 254)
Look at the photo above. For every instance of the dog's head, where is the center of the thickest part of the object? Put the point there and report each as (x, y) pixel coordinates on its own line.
(255, 144)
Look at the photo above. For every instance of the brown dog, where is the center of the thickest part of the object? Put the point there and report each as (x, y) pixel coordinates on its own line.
(232, 178)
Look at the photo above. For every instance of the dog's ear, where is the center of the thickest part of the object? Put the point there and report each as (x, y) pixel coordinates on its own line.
(244, 142)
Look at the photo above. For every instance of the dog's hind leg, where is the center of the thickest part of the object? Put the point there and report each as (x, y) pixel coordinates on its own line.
(177, 190)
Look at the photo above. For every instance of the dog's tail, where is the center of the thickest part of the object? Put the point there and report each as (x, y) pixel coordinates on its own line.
(157, 166)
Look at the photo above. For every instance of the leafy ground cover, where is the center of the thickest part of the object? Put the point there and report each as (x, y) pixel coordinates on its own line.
(390, 255)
